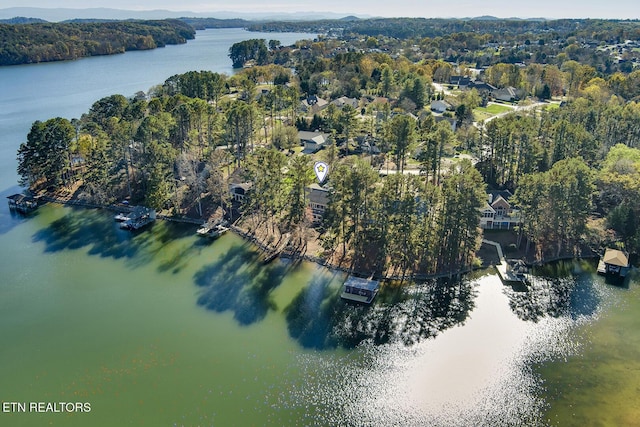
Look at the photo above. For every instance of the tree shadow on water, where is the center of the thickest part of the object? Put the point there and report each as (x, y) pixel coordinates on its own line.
(319, 319)
(240, 283)
(177, 257)
(572, 296)
(92, 230)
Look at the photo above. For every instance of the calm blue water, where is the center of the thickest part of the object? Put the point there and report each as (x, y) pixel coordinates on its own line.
(68, 89)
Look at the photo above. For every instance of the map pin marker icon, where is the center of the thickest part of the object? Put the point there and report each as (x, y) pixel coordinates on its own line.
(321, 169)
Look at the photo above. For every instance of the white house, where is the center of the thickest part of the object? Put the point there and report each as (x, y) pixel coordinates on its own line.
(498, 213)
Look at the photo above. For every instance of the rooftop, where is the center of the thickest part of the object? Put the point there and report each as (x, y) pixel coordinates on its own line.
(616, 257)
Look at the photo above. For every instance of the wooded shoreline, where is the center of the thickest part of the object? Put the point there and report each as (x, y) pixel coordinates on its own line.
(266, 249)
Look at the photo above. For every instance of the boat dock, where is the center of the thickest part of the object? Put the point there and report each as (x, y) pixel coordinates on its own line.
(360, 290)
(22, 203)
(138, 218)
(614, 263)
(510, 271)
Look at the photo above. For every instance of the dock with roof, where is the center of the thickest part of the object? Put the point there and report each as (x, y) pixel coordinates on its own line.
(360, 290)
(614, 262)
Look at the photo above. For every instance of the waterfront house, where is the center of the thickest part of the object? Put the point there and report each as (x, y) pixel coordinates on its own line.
(499, 213)
(318, 197)
(239, 191)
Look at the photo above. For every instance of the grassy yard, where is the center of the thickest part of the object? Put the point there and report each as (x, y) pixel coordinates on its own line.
(494, 109)
(483, 113)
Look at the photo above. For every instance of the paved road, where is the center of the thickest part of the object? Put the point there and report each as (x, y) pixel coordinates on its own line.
(514, 110)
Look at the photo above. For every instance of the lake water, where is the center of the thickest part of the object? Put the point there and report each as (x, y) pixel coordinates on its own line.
(161, 328)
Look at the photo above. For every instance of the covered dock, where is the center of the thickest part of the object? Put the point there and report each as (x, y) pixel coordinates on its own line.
(511, 271)
(139, 217)
(360, 290)
(614, 262)
(22, 203)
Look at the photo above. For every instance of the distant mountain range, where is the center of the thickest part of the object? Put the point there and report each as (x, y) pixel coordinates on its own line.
(493, 18)
(63, 14)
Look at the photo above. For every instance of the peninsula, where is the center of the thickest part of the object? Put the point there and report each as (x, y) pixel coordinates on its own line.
(430, 142)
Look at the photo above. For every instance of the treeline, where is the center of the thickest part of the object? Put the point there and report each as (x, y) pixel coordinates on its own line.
(408, 28)
(178, 149)
(404, 225)
(248, 50)
(22, 20)
(205, 23)
(136, 147)
(567, 164)
(181, 149)
(481, 43)
(32, 43)
(323, 69)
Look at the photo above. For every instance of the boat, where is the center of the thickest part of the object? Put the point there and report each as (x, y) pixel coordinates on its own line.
(214, 231)
(360, 290)
(121, 217)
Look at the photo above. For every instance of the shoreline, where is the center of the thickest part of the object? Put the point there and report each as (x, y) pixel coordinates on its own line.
(265, 247)
(270, 251)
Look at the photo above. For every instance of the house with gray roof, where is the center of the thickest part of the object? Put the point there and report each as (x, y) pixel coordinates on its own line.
(318, 200)
(312, 141)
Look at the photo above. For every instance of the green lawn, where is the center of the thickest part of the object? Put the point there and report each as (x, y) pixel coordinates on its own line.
(494, 109)
(483, 113)
(480, 116)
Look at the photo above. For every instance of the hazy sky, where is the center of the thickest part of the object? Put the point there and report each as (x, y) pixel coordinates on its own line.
(626, 9)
